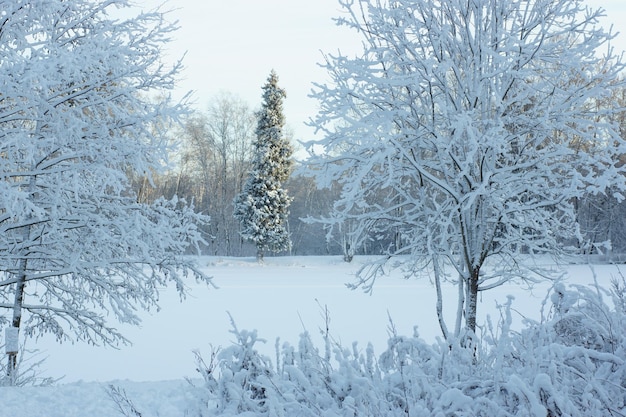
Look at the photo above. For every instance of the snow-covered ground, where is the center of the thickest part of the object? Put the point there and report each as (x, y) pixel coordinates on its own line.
(176, 398)
(280, 298)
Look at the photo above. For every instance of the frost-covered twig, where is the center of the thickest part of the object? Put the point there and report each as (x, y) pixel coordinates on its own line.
(124, 404)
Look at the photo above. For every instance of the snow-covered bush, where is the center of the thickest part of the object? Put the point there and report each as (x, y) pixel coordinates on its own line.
(571, 363)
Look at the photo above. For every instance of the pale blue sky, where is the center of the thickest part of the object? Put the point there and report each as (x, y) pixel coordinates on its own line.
(616, 16)
(232, 45)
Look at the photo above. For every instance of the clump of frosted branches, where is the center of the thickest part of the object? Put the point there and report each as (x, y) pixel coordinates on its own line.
(569, 363)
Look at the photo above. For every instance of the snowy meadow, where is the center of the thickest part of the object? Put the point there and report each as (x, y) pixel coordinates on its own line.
(464, 137)
(282, 298)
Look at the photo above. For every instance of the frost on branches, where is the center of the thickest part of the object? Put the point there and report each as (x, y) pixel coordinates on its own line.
(263, 206)
(76, 121)
(569, 364)
(470, 128)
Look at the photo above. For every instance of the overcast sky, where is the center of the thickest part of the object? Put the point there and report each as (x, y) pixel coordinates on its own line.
(232, 45)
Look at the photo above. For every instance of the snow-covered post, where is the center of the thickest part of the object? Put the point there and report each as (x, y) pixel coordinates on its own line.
(11, 347)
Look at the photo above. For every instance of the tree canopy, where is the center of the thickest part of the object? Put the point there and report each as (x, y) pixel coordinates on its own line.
(76, 119)
(470, 127)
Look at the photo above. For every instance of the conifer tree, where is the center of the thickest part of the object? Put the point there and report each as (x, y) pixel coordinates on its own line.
(263, 205)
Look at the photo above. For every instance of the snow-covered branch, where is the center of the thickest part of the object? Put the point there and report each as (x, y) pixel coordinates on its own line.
(470, 129)
(77, 121)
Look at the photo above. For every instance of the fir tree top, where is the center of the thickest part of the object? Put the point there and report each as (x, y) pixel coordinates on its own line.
(271, 118)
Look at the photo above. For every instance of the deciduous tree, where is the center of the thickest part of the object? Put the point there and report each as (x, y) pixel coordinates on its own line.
(75, 117)
(217, 155)
(465, 114)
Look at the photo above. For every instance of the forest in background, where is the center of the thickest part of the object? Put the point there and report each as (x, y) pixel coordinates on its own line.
(210, 162)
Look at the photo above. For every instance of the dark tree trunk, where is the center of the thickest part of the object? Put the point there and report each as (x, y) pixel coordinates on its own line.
(472, 302)
(17, 320)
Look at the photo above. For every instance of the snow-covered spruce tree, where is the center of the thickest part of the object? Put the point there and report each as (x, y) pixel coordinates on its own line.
(75, 119)
(476, 120)
(263, 206)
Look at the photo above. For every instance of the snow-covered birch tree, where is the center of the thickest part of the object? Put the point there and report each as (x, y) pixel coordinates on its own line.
(263, 206)
(76, 118)
(476, 120)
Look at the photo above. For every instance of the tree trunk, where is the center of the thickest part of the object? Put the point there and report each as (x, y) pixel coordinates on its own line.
(259, 255)
(460, 308)
(472, 302)
(17, 318)
(19, 291)
(439, 305)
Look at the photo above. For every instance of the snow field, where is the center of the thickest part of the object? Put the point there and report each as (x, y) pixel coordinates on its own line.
(280, 298)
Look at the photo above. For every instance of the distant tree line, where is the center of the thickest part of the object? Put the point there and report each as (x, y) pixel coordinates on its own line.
(213, 158)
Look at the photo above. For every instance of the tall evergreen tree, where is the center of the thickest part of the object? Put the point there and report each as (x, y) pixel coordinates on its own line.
(263, 205)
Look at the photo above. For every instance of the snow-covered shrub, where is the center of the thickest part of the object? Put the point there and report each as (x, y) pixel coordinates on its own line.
(571, 363)
(244, 383)
(240, 382)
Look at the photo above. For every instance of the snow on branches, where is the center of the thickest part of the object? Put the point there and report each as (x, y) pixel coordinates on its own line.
(470, 128)
(263, 206)
(76, 121)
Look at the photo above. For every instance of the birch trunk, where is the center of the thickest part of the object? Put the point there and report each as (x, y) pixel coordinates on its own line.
(20, 285)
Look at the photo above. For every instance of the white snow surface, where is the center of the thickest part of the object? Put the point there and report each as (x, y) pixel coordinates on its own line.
(91, 399)
(280, 298)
